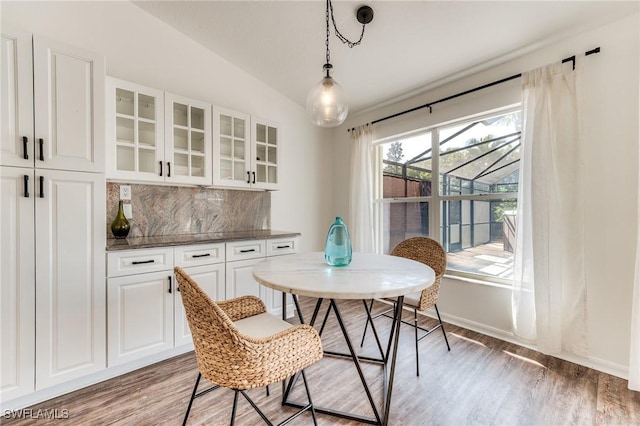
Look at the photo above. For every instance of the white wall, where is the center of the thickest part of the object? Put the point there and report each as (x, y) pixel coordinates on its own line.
(144, 50)
(611, 153)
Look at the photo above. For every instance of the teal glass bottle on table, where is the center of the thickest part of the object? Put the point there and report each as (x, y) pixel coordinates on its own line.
(337, 250)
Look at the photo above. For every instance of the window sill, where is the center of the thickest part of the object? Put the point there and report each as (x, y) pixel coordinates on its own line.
(500, 283)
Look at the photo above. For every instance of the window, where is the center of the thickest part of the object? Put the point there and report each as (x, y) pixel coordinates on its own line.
(474, 164)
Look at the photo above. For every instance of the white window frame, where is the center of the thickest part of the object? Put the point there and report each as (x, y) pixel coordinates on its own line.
(435, 219)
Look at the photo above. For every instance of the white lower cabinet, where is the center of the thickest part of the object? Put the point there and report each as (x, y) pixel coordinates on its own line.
(145, 311)
(139, 304)
(205, 264)
(242, 256)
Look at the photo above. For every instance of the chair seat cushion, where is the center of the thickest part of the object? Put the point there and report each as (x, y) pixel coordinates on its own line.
(261, 325)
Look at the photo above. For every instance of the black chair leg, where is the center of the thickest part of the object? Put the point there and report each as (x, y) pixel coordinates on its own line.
(193, 396)
(444, 333)
(235, 405)
(306, 386)
(415, 327)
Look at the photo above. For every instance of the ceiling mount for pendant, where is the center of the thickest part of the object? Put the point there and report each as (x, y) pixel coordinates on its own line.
(326, 103)
(364, 15)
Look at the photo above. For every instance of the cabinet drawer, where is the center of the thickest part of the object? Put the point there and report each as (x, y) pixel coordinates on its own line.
(282, 246)
(240, 250)
(139, 261)
(198, 255)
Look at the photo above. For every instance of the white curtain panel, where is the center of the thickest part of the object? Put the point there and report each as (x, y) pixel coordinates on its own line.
(549, 296)
(360, 220)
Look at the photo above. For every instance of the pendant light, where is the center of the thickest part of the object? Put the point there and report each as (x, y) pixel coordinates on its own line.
(326, 103)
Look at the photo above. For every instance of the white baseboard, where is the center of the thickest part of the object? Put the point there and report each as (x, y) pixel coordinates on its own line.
(608, 367)
(91, 379)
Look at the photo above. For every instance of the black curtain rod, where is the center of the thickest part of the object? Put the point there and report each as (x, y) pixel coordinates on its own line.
(571, 59)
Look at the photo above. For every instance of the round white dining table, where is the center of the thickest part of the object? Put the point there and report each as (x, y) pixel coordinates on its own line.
(368, 276)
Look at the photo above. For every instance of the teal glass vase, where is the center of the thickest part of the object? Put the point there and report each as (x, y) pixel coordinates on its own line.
(337, 250)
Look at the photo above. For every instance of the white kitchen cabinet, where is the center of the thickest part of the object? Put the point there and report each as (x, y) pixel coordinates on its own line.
(70, 332)
(264, 141)
(205, 264)
(187, 141)
(145, 312)
(242, 256)
(53, 294)
(153, 136)
(135, 131)
(140, 290)
(53, 110)
(245, 151)
(17, 275)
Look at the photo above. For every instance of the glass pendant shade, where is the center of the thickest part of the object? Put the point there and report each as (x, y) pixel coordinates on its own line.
(327, 104)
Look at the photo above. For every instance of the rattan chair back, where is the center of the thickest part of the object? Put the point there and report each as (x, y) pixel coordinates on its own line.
(230, 359)
(431, 253)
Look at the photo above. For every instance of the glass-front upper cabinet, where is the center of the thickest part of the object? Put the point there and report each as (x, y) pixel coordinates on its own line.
(188, 140)
(245, 151)
(265, 140)
(135, 131)
(232, 149)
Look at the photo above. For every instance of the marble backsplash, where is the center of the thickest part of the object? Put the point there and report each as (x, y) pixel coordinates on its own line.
(173, 210)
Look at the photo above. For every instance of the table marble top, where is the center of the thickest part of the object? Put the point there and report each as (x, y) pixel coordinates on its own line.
(367, 276)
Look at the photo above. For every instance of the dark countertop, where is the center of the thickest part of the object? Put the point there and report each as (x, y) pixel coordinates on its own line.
(180, 240)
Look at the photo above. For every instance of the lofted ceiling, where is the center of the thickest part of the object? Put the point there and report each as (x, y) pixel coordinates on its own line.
(409, 45)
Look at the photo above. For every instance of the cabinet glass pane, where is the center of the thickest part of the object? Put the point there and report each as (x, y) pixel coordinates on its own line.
(238, 148)
(124, 101)
(225, 169)
(124, 158)
(146, 133)
(225, 147)
(197, 118)
(124, 129)
(146, 160)
(261, 153)
(261, 133)
(180, 114)
(261, 173)
(225, 125)
(239, 172)
(272, 136)
(197, 141)
(180, 166)
(238, 128)
(180, 139)
(272, 176)
(272, 155)
(146, 107)
(197, 166)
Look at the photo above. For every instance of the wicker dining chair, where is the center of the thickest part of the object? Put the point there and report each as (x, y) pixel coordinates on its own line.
(431, 253)
(238, 345)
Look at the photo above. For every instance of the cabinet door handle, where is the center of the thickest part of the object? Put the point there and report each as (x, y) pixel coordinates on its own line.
(140, 262)
(281, 247)
(169, 283)
(26, 186)
(25, 154)
(248, 177)
(41, 186)
(41, 142)
(160, 168)
(247, 250)
(168, 169)
(201, 255)
(254, 177)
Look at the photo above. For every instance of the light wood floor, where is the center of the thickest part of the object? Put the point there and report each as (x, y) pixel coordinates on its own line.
(482, 381)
